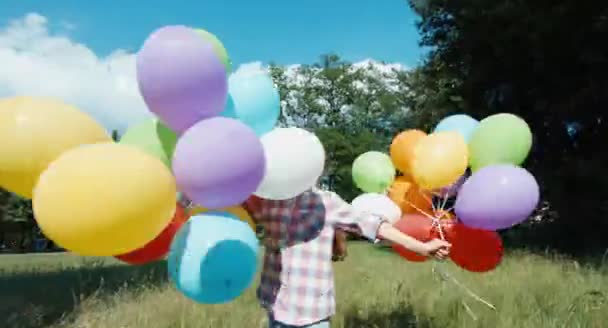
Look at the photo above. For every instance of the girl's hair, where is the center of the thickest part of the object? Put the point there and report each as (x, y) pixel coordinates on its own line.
(340, 246)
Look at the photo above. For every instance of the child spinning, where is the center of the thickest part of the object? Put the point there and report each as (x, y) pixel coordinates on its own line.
(297, 283)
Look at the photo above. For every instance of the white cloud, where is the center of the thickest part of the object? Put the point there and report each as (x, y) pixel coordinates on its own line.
(36, 62)
(249, 69)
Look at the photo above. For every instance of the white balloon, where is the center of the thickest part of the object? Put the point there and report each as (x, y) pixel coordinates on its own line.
(377, 204)
(295, 159)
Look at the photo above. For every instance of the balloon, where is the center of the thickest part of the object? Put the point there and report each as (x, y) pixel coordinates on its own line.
(254, 100)
(180, 77)
(444, 215)
(473, 249)
(213, 259)
(152, 137)
(104, 199)
(452, 189)
(377, 204)
(402, 149)
(295, 159)
(237, 211)
(497, 197)
(500, 139)
(218, 162)
(373, 172)
(34, 132)
(218, 48)
(416, 226)
(439, 160)
(410, 197)
(461, 123)
(158, 248)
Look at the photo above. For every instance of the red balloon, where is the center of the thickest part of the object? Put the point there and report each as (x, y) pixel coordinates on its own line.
(473, 249)
(158, 248)
(416, 226)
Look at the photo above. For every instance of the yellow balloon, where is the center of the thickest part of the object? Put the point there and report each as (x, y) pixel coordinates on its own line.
(439, 159)
(237, 211)
(34, 132)
(104, 199)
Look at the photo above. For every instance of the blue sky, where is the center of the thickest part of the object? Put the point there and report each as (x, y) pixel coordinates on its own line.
(283, 31)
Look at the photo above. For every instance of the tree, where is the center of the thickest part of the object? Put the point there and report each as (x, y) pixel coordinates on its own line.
(352, 109)
(544, 61)
(17, 219)
(115, 135)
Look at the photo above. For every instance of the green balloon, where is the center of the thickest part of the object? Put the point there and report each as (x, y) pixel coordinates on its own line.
(500, 139)
(218, 48)
(373, 172)
(152, 137)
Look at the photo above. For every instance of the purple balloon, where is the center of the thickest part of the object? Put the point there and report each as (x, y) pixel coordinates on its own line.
(497, 197)
(180, 77)
(219, 162)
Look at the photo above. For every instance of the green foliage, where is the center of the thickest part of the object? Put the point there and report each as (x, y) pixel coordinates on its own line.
(342, 149)
(14, 208)
(115, 136)
(353, 109)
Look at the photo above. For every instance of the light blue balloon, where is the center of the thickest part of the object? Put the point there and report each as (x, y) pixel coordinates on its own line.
(254, 100)
(464, 124)
(213, 258)
(229, 110)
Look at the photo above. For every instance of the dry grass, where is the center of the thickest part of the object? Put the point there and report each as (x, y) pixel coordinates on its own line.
(375, 289)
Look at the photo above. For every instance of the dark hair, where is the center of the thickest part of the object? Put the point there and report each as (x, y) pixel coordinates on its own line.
(340, 246)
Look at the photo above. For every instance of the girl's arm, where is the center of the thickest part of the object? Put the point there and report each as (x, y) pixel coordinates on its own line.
(436, 247)
(372, 226)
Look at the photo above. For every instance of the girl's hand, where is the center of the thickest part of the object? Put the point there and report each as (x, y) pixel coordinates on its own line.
(440, 249)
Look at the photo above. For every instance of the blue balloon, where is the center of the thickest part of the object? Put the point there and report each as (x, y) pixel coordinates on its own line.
(229, 110)
(464, 124)
(254, 100)
(213, 258)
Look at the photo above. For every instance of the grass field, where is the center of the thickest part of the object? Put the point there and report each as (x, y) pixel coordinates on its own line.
(375, 289)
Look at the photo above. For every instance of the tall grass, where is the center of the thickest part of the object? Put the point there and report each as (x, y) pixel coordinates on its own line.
(375, 288)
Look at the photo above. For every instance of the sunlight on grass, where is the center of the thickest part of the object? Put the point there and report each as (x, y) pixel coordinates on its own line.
(375, 289)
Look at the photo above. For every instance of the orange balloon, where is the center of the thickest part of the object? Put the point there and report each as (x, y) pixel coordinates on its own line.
(410, 197)
(402, 149)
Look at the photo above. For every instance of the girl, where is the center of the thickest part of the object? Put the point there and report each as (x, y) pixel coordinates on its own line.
(297, 283)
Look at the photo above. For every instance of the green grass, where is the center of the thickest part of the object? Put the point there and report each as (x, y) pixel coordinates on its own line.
(375, 289)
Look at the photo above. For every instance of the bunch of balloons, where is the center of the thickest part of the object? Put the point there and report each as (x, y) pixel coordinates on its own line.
(90, 195)
(212, 140)
(477, 163)
(216, 132)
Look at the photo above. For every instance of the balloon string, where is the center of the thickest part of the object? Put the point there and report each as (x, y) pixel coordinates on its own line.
(445, 201)
(446, 276)
(430, 201)
(435, 221)
(429, 216)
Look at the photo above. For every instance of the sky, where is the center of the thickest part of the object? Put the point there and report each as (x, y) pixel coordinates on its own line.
(83, 51)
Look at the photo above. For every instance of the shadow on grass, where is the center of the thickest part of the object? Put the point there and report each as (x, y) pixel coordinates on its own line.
(37, 299)
(399, 317)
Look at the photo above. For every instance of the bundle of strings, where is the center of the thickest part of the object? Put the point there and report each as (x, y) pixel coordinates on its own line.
(439, 266)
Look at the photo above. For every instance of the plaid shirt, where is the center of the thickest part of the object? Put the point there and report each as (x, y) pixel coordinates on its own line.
(297, 283)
